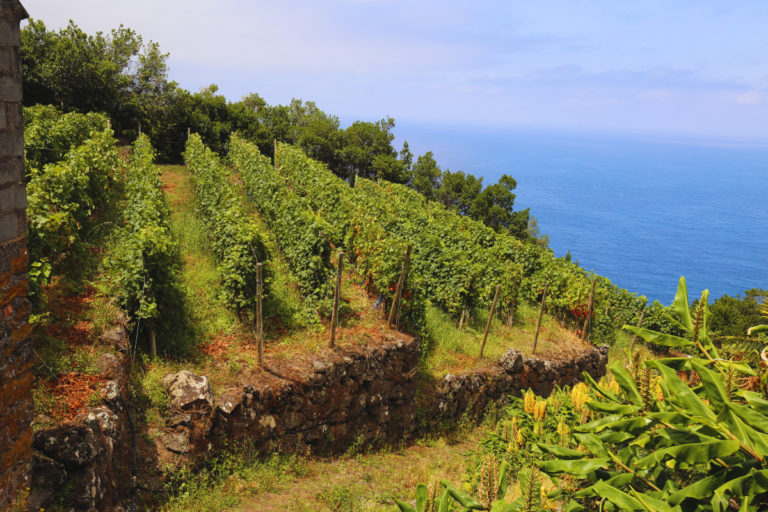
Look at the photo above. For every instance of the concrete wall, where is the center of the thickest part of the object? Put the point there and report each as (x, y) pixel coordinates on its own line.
(16, 408)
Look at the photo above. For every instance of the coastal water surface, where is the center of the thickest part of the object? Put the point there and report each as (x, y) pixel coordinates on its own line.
(641, 211)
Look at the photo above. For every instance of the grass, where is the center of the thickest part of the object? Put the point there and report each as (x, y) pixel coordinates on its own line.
(350, 483)
(451, 349)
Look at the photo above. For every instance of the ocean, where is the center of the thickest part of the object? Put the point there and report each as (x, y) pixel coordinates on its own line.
(638, 210)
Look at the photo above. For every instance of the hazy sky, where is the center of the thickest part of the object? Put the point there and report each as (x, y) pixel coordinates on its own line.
(682, 67)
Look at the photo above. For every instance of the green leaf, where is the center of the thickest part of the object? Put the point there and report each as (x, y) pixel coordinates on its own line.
(465, 500)
(750, 485)
(757, 329)
(705, 487)
(594, 385)
(421, 497)
(609, 408)
(573, 467)
(682, 305)
(593, 444)
(697, 453)
(713, 385)
(405, 507)
(558, 451)
(657, 338)
(503, 480)
(444, 502)
(682, 394)
(574, 507)
(626, 383)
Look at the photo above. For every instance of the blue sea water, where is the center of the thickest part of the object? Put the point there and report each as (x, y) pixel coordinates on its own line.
(641, 211)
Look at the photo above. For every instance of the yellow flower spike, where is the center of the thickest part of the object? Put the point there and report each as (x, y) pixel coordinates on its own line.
(520, 438)
(529, 401)
(659, 392)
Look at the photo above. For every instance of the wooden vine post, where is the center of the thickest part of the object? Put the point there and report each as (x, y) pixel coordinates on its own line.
(152, 343)
(399, 290)
(541, 314)
(634, 338)
(589, 310)
(490, 319)
(336, 296)
(259, 313)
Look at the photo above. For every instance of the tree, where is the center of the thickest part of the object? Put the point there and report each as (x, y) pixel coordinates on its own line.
(493, 206)
(733, 316)
(367, 151)
(459, 191)
(426, 175)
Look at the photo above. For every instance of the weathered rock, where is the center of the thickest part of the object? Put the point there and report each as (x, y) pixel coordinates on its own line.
(74, 445)
(109, 364)
(47, 473)
(112, 393)
(511, 361)
(180, 420)
(228, 403)
(177, 443)
(40, 499)
(102, 419)
(118, 338)
(188, 390)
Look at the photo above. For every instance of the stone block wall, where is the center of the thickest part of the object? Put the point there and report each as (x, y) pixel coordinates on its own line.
(361, 393)
(16, 408)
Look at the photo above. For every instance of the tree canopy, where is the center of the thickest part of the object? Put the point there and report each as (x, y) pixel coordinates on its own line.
(119, 75)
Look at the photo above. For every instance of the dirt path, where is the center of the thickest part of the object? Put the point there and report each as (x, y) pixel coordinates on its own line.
(368, 482)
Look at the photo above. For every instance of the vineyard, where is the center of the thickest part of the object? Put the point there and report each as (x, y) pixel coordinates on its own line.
(240, 266)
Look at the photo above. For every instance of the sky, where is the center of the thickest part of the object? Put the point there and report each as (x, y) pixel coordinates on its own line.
(672, 67)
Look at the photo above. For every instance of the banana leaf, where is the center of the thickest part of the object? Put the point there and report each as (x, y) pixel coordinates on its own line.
(657, 338)
(593, 443)
(465, 500)
(682, 305)
(578, 468)
(697, 453)
(594, 385)
(609, 408)
(558, 451)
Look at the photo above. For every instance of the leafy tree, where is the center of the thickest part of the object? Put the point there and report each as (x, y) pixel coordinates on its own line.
(367, 151)
(426, 175)
(493, 207)
(459, 191)
(733, 316)
(116, 74)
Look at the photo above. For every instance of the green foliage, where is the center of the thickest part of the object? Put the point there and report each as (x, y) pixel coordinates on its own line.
(62, 201)
(235, 237)
(144, 264)
(295, 228)
(733, 316)
(116, 74)
(377, 254)
(49, 134)
(691, 448)
(426, 175)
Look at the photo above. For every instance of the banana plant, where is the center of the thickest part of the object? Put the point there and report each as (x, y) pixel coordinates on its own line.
(700, 449)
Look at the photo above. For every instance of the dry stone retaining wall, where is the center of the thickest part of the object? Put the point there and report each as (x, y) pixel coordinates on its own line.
(326, 405)
(368, 394)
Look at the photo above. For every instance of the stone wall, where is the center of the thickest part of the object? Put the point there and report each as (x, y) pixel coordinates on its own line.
(369, 394)
(86, 463)
(323, 404)
(16, 407)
